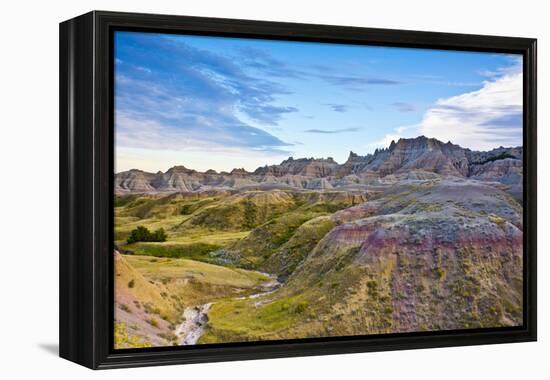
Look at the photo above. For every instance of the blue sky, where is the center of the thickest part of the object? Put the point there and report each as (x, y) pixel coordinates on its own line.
(220, 103)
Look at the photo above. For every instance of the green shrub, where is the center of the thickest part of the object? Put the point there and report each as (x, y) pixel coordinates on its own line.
(300, 307)
(158, 235)
(372, 285)
(143, 234)
(196, 251)
(249, 214)
(170, 337)
(138, 234)
(131, 283)
(497, 220)
(153, 322)
(125, 308)
(186, 209)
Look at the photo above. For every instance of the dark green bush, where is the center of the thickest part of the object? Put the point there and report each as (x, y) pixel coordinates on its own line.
(143, 234)
(158, 235)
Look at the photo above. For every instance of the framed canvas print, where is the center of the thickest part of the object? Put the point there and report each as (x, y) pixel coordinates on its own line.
(238, 189)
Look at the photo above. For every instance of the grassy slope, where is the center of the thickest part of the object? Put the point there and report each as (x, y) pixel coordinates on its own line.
(170, 212)
(190, 282)
(198, 225)
(335, 286)
(278, 245)
(390, 281)
(151, 293)
(143, 310)
(276, 229)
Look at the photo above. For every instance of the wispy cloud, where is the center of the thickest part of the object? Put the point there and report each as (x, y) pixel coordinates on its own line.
(358, 82)
(332, 131)
(267, 114)
(450, 83)
(515, 62)
(404, 107)
(337, 107)
(200, 135)
(262, 61)
(439, 80)
(171, 95)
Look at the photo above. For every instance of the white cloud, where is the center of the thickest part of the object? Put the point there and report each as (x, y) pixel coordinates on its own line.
(405, 131)
(200, 133)
(127, 158)
(480, 120)
(151, 146)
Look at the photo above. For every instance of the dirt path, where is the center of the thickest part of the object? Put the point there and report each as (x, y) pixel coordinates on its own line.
(196, 317)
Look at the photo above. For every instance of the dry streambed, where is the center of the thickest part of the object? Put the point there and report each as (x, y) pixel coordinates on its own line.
(195, 318)
(194, 323)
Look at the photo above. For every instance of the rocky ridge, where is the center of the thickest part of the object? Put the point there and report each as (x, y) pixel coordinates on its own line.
(417, 157)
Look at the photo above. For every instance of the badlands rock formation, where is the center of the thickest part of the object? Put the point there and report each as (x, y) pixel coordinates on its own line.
(404, 158)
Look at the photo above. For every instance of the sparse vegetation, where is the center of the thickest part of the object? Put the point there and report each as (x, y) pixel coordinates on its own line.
(196, 251)
(497, 220)
(153, 322)
(124, 340)
(124, 307)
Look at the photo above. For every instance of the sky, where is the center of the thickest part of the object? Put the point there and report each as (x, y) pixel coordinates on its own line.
(222, 103)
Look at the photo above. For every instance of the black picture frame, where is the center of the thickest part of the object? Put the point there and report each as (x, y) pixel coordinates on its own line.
(86, 188)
